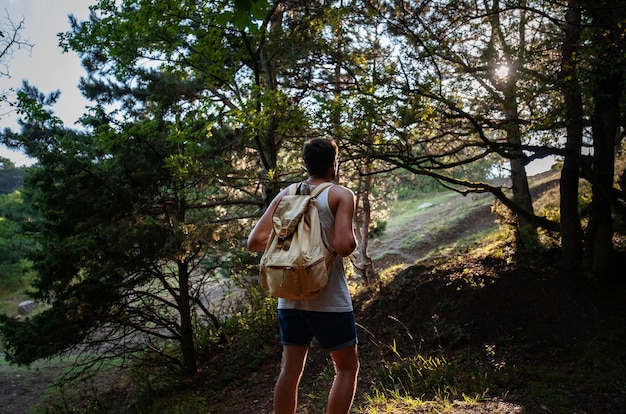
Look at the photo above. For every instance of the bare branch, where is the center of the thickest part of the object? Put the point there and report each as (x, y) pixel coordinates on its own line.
(10, 41)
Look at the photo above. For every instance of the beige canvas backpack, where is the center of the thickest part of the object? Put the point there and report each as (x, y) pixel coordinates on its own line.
(296, 262)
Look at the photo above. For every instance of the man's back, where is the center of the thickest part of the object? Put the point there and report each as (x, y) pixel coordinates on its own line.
(341, 203)
(335, 297)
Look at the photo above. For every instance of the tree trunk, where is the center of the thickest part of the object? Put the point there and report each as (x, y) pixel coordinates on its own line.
(268, 143)
(599, 237)
(526, 232)
(363, 262)
(187, 345)
(571, 232)
(607, 78)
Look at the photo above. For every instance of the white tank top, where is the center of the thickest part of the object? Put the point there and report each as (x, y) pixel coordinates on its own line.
(335, 297)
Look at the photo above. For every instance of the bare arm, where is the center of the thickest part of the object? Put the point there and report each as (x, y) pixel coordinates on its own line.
(344, 238)
(260, 234)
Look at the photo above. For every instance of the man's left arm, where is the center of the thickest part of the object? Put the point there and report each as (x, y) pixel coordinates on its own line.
(344, 239)
(260, 234)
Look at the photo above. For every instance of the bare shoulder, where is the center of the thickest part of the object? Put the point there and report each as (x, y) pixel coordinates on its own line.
(341, 192)
(340, 196)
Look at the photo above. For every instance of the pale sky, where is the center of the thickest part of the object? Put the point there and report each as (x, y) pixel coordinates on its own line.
(44, 66)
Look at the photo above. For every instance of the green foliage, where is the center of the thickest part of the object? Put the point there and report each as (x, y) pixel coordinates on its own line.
(11, 178)
(430, 378)
(247, 13)
(183, 402)
(75, 389)
(417, 376)
(379, 228)
(151, 386)
(125, 222)
(16, 223)
(88, 406)
(410, 186)
(253, 333)
(141, 208)
(200, 110)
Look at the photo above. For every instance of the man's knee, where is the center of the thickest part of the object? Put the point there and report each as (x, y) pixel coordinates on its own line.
(294, 358)
(346, 360)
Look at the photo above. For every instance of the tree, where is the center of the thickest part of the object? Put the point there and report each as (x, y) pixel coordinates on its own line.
(10, 177)
(198, 119)
(592, 52)
(12, 253)
(126, 244)
(571, 231)
(153, 198)
(10, 41)
(337, 103)
(607, 86)
(470, 94)
(16, 222)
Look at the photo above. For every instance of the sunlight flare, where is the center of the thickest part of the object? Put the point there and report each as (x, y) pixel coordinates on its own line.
(502, 72)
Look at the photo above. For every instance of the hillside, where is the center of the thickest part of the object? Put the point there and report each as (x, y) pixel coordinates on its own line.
(462, 326)
(512, 334)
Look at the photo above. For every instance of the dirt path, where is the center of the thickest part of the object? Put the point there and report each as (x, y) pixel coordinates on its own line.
(22, 388)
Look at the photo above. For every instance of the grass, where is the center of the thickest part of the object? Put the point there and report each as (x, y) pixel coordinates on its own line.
(40, 375)
(9, 301)
(442, 222)
(76, 390)
(405, 211)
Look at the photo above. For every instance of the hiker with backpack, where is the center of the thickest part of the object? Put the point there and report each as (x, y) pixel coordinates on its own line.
(328, 315)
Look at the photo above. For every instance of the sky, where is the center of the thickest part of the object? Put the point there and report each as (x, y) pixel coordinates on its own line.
(45, 66)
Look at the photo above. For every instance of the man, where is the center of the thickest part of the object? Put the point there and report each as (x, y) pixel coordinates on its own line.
(328, 317)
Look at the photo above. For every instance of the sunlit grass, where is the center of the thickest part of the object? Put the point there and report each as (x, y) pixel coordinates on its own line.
(395, 403)
(40, 365)
(444, 218)
(404, 211)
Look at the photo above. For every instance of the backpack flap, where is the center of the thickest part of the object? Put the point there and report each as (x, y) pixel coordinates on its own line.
(288, 214)
(291, 208)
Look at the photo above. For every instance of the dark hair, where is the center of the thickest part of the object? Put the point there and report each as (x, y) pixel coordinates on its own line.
(318, 155)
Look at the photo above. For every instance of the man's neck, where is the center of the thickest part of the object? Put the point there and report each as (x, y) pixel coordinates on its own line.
(317, 180)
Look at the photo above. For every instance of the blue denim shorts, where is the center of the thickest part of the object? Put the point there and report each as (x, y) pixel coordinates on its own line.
(333, 330)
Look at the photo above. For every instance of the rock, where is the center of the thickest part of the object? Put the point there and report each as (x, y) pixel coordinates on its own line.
(26, 307)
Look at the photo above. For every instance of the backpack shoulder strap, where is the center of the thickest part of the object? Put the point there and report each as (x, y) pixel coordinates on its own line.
(293, 188)
(318, 189)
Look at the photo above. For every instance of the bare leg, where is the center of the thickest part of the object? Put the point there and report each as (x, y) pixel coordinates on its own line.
(286, 389)
(346, 363)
